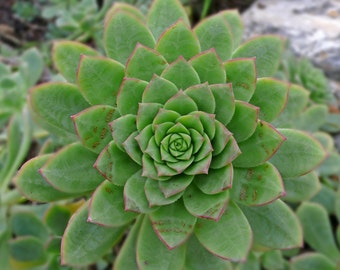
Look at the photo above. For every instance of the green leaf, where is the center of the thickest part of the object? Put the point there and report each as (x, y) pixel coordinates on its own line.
(198, 258)
(298, 155)
(92, 126)
(301, 188)
(31, 183)
(71, 170)
(317, 229)
(146, 114)
(53, 104)
(136, 67)
(204, 205)
(66, 57)
(209, 67)
(326, 197)
(178, 40)
(181, 73)
(173, 224)
(267, 49)
(115, 165)
(164, 13)
(312, 261)
(202, 96)
(258, 185)
(175, 185)
(122, 128)
(159, 90)
(34, 66)
(216, 180)
(24, 223)
(244, 121)
(56, 218)
(181, 103)
(229, 153)
(312, 119)
(99, 79)
(225, 102)
(221, 138)
(152, 254)
(131, 147)
(130, 95)
(134, 195)
(229, 238)
(260, 147)
(126, 258)
(27, 249)
(235, 23)
(241, 73)
(271, 97)
(84, 242)
(214, 32)
(121, 6)
(274, 225)
(106, 207)
(122, 32)
(273, 260)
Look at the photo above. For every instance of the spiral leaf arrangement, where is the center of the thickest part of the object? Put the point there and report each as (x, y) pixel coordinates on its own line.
(169, 136)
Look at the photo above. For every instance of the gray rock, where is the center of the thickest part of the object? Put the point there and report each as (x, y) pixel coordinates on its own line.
(312, 26)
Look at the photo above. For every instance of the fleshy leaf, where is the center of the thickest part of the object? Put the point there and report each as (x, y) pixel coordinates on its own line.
(92, 126)
(88, 245)
(317, 229)
(164, 13)
(181, 103)
(181, 73)
(27, 249)
(241, 73)
(216, 181)
(267, 49)
(136, 67)
(129, 95)
(146, 114)
(131, 147)
(159, 90)
(52, 105)
(66, 57)
(260, 147)
(202, 96)
(229, 153)
(31, 183)
(299, 154)
(121, 34)
(244, 121)
(107, 206)
(152, 254)
(274, 225)
(57, 217)
(198, 258)
(115, 165)
(313, 118)
(221, 138)
(271, 96)
(134, 196)
(224, 100)
(99, 79)
(178, 40)
(257, 186)
(126, 258)
(209, 67)
(173, 224)
(229, 238)
(312, 261)
(71, 169)
(155, 196)
(118, 6)
(214, 32)
(234, 20)
(122, 128)
(203, 205)
(301, 188)
(175, 185)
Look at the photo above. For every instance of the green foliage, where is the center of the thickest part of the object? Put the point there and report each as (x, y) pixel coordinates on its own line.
(174, 139)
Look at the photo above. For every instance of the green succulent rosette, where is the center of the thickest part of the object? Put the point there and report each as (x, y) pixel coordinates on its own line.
(170, 135)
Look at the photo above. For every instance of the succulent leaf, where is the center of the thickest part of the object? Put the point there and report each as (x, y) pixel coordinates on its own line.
(122, 128)
(267, 49)
(202, 96)
(234, 20)
(176, 185)
(66, 56)
(181, 103)
(312, 261)
(99, 74)
(155, 196)
(229, 238)
(101, 211)
(122, 31)
(121, 6)
(228, 154)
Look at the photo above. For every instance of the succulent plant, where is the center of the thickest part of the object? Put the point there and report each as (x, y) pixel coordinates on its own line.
(170, 138)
